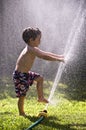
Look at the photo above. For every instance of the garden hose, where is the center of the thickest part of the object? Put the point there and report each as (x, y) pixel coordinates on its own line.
(42, 116)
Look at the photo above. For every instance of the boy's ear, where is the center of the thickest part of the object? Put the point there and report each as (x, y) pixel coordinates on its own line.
(31, 39)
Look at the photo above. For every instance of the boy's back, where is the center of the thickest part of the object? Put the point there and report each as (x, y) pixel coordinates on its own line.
(25, 60)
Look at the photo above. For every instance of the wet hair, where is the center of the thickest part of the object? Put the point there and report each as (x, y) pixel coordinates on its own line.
(29, 33)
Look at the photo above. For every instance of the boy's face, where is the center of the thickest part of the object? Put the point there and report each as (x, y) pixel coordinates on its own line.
(35, 42)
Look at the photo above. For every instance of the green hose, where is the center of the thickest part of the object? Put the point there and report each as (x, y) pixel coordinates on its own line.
(36, 123)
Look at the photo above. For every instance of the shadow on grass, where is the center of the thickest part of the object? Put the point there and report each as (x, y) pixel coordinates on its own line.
(6, 113)
(54, 122)
(51, 121)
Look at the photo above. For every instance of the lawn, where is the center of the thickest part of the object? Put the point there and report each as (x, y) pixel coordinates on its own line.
(63, 114)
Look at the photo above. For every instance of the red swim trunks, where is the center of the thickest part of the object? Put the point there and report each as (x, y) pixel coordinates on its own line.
(22, 81)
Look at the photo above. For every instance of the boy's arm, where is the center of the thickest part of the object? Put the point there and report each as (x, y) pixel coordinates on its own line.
(46, 55)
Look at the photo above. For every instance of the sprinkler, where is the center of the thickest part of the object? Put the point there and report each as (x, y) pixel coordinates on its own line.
(42, 115)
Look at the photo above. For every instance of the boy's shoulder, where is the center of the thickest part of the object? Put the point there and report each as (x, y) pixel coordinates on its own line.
(34, 50)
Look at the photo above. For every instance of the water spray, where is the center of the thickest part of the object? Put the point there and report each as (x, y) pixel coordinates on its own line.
(77, 24)
(76, 27)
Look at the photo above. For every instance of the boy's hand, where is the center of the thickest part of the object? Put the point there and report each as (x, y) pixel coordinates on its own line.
(62, 59)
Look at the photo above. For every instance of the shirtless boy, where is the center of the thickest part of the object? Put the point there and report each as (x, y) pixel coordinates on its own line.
(22, 76)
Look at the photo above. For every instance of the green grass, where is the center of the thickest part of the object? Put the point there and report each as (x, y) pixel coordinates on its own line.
(66, 115)
(63, 114)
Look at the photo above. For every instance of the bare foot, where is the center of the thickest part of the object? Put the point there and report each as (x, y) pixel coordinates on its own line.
(43, 100)
(23, 114)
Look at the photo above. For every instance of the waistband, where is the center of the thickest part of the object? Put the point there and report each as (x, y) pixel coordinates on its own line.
(18, 72)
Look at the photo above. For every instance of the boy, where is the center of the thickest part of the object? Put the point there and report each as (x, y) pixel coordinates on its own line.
(22, 76)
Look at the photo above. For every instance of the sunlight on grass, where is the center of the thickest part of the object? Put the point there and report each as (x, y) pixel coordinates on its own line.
(65, 116)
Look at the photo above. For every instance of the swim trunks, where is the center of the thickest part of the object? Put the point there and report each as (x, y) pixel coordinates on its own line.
(22, 81)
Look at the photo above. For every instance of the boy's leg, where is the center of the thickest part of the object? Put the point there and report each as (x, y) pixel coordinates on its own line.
(21, 105)
(39, 86)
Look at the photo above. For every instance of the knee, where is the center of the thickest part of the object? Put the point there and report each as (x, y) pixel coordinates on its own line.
(40, 79)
